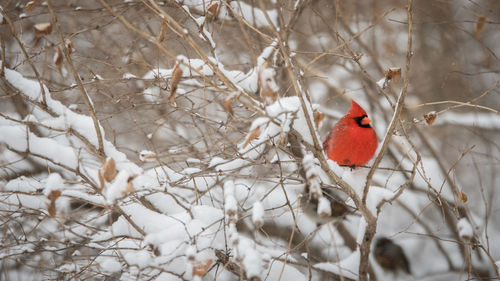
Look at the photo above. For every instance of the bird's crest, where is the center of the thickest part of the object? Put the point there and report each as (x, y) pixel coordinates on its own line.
(356, 110)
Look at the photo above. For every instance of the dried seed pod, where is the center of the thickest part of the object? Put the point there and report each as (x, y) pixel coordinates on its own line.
(176, 78)
(109, 169)
(393, 73)
(253, 134)
(430, 117)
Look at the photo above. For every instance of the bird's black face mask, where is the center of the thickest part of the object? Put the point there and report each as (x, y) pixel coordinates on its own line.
(361, 121)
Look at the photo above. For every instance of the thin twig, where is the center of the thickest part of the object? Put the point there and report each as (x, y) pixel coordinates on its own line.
(78, 81)
(26, 56)
(399, 106)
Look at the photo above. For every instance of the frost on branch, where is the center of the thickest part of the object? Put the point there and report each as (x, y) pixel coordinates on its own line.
(465, 229)
(230, 204)
(324, 209)
(258, 214)
(312, 178)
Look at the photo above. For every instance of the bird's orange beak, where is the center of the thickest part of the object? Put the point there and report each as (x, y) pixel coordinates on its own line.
(365, 121)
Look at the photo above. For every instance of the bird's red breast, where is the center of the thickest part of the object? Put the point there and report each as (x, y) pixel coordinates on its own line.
(352, 141)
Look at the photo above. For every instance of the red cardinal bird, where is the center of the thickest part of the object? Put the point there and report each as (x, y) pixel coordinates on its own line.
(352, 141)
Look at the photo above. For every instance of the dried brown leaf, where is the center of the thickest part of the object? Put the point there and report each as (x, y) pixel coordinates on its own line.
(54, 194)
(176, 78)
(128, 189)
(268, 95)
(30, 6)
(253, 134)
(318, 117)
(130, 186)
(212, 8)
(462, 197)
(430, 117)
(51, 208)
(58, 59)
(479, 26)
(109, 169)
(69, 45)
(393, 73)
(163, 31)
(200, 268)
(227, 105)
(43, 28)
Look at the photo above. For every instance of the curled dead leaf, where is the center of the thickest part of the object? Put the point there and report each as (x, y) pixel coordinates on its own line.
(430, 117)
(51, 208)
(212, 8)
(58, 59)
(163, 31)
(176, 78)
(479, 26)
(268, 95)
(462, 197)
(253, 134)
(130, 186)
(69, 45)
(227, 104)
(54, 194)
(109, 169)
(43, 28)
(393, 73)
(318, 117)
(200, 268)
(30, 6)
(51, 205)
